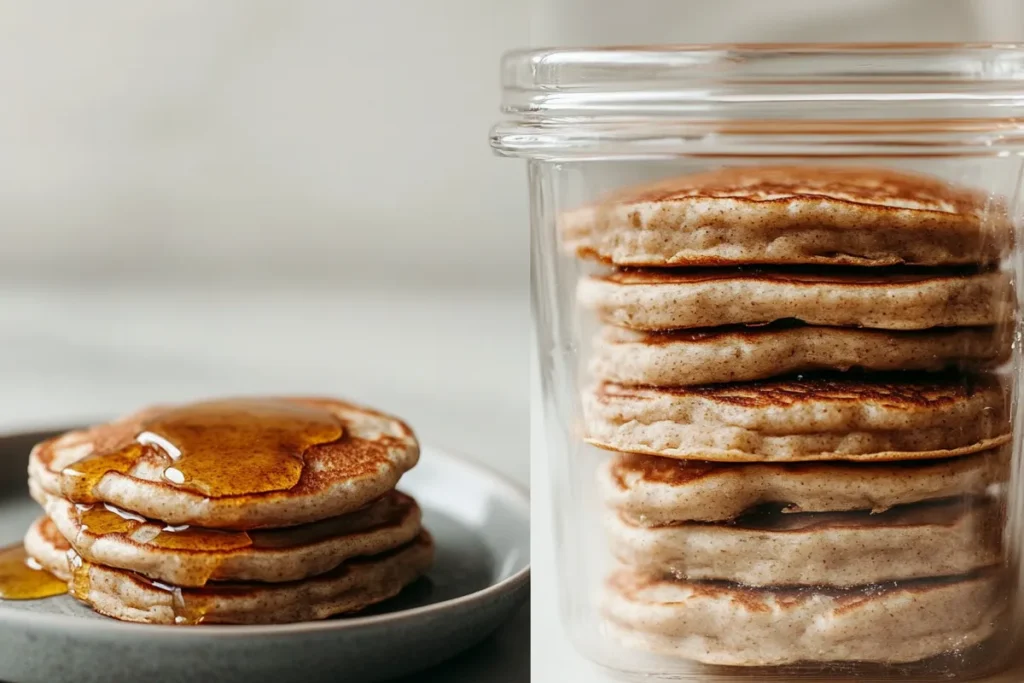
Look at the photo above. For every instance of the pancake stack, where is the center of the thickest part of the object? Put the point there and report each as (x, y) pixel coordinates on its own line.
(249, 511)
(795, 372)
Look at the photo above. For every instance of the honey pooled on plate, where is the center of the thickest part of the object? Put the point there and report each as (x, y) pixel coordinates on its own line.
(21, 577)
(217, 448)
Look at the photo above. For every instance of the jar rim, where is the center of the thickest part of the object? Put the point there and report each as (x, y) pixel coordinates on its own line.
(567, 90)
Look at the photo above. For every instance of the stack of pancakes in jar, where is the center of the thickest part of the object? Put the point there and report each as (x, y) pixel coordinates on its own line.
(796, 372)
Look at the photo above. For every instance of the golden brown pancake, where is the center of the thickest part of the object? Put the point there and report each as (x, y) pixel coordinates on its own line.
(347, 589)
(341, 476)
(826, 417)
(841, 549)
(727, 624)
(47, 546)
(654, 490)
(877, 298)
(792, 214)
(350, 587)
(191, 557)
(741, 353)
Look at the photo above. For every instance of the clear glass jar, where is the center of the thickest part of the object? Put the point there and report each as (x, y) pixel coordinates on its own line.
(775, 294)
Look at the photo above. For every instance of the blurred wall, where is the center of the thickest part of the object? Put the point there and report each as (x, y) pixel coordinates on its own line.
(265, 138)
(593, 22)
(321, 139)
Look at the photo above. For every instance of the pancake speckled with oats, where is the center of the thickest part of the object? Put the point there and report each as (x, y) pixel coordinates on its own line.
(890, 300)
(339, 476)
(792, 214)
(349, 587)
(193, 557)
(841, 549)
(813, 418)
(654, 490)
(742, 353)
(732, 625)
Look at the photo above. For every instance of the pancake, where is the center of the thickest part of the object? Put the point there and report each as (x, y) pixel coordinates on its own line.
(351, 587)
(883, 299)
(192, 557)
(45, 544)
(338, 477)
(730, 625)
(895, 417)
(842, 549)
(654, 490)
(741, 353)
(792, 214)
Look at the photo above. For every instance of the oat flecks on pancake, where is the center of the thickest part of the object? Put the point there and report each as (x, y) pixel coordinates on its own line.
(666, 490)
(273, 556)
(727, 624)
(352, 586)
(814, 418)
(691, 299)
(339, 477)
(792, 214)
(742, 353)
(844, 549)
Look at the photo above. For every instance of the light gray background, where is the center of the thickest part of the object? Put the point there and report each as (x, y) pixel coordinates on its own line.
(335, 139)
(330, 139)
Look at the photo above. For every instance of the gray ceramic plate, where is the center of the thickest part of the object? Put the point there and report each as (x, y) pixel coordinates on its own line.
(482, 530)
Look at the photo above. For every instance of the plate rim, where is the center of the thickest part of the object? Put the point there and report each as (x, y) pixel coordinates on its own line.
(511, 490)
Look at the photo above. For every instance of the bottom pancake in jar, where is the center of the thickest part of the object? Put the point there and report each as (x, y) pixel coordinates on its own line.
(728, 624)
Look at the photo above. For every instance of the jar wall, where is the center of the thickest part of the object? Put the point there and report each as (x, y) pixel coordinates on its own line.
(857, 401)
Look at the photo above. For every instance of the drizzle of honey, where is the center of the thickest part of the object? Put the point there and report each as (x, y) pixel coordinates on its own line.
(106, 519)
(21, 577)
(81, 477)
(217, 448)
(81, 578)
(197, 539)
(189, 608)
(101, 520)
(208, 545)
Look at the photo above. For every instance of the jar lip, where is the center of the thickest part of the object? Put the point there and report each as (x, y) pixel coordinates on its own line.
(833, 68)
(806, 47)
(621, 89)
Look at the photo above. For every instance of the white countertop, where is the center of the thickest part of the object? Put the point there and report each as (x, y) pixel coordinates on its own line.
(454, 363)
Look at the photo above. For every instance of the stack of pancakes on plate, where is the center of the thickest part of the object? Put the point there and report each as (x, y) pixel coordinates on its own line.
(230, 512)
(795, 375)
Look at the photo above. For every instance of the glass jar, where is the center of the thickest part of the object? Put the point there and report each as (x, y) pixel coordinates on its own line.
(775, 294)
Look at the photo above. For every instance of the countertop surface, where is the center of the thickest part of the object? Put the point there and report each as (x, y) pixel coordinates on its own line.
(454, 363)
